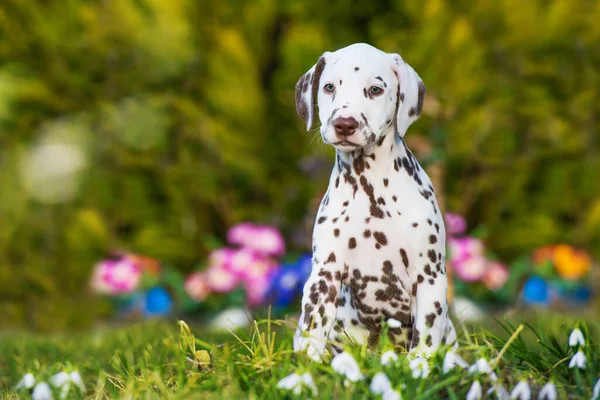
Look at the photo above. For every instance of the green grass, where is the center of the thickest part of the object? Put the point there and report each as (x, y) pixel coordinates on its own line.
(151, 360)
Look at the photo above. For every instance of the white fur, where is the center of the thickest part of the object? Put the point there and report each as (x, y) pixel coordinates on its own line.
(376, 185)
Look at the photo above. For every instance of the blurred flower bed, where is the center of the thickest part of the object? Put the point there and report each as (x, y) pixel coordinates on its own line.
(553, 276)
(253, 271)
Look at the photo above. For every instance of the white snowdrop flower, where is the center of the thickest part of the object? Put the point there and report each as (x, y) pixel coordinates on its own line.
(346, 365)
(294, 382)
(548, 392)
(499, 390)
(596, 391)
(394, 323)
(419, 367)
(578, 360)
(380, 383)
(475, 392)
(576, 338)
(388, 357)
(482, 366)
(42, 391)
(307, 379)
(59, 379)
(65, 381)
(27, 382)
(391, 394)
(451, 360)
(76, 379)
(521, 391)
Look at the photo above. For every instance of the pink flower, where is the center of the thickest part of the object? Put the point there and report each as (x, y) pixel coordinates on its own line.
(496, 275)
(220, 257)
(242, 261)
(466, 247)
(455, 224)
(256, 290)
(241, 233)
(196, 286)
(220, 279)
(116, 276)
(262, 239)
(268, 240)
(470, 269)
(261, 268)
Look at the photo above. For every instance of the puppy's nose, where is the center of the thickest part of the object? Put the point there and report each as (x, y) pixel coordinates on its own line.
(345, 126)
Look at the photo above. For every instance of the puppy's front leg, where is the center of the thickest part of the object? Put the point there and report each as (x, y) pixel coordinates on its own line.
(320, 301)
(432, 326)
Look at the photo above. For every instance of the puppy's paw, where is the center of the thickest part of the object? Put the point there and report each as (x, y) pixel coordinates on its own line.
(307, 342)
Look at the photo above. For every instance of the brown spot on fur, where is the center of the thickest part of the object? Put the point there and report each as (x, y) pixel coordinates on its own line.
(331, 258)
(380, 238)
(432, 256)
(404, 257)
(352, 243)
(429, 320)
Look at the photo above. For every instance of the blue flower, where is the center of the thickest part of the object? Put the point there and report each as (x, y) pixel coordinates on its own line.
(304, 266)
(158, 302)
(289, 280)
(536, 291)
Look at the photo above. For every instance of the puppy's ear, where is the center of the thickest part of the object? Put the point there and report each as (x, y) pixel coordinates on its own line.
(307, 90)
(409, 96)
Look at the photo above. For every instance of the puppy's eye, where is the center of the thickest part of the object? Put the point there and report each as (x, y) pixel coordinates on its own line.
(375, 90)
(328, 88)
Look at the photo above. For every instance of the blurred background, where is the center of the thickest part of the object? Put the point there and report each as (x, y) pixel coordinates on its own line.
(153, 126)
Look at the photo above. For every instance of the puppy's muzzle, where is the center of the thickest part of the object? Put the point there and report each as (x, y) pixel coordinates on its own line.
(345, 127)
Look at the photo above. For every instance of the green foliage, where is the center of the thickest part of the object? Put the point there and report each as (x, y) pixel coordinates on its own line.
(159, 360)
(184, 113)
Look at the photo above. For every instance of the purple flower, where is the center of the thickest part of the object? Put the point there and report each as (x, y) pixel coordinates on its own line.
(455, 224)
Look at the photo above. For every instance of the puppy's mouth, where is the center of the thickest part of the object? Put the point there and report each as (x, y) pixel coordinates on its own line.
(346, 143)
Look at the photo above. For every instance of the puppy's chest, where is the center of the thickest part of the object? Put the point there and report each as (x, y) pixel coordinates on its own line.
(366, 219)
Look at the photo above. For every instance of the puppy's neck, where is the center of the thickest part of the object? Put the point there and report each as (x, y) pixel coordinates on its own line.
(384, 154)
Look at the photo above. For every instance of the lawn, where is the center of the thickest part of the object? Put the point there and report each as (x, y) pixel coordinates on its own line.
(166, 360)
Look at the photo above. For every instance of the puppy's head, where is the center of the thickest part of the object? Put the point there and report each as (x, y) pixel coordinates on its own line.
(362, 94)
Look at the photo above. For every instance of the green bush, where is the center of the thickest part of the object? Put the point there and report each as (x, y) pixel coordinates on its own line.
(183, 112)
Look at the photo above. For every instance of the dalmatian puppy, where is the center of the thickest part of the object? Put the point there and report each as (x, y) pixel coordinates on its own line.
(379, 237)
